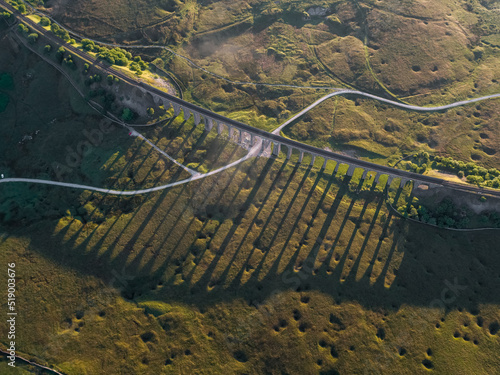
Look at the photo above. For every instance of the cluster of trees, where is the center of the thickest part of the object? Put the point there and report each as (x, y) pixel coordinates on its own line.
(138, 65)
(61, 33)
(90, 46)
(32, 37)
(446, 215)
(5, 15)
(473, 173)
(19, 5)
(61, 56)
(92, 79)
(68, 60)
(115, 56)
(112, 79)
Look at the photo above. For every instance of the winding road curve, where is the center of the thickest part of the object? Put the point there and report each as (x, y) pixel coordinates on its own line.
(388, 101)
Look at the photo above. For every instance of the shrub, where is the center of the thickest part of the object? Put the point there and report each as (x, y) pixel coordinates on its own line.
(113, 56)
(151, 111)
(47, 48)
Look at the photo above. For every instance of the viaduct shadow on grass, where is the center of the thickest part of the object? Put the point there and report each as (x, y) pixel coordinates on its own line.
(281, 227)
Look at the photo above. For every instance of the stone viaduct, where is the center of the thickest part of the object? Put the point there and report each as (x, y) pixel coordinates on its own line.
(274, 144)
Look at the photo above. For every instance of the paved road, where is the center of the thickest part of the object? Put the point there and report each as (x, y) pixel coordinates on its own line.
(388, 101)
(253, 152)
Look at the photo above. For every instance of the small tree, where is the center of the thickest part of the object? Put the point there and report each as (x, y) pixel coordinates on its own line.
(60, 53)
(32, 38)
(127, 114)
(23, 29)
(151, 111)
(44, 21)
(110, 79)
(47, 48)
(22, 8)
